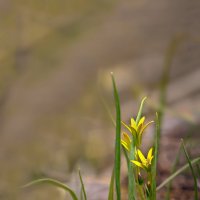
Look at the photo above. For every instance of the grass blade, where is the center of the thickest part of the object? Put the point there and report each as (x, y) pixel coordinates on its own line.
(54, 183)
(167, 197)
(117, 140)
(82, 185)
(192, 170)
(198, 170)
(126, 156)
(105, 104)
(139, 115)
(111, 187)
(182, 169)
(155, 160)
(170, 54)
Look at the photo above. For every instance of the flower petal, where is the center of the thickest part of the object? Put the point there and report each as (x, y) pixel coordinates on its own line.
(142, 158)
(133, 123)
(138, 163)
(126, 126)
(141, 121)
(126, 138)
(149, 156)
(144, 127)
(150, 159)
(133, 131)
(125, 145)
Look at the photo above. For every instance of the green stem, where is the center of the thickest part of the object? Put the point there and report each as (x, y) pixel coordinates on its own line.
(131, 174)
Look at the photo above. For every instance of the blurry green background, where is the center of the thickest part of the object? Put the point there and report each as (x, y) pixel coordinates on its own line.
(55, 64)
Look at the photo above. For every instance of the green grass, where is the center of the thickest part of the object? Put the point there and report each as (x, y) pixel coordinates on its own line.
(117, 140)
(111, 187)
(178, 172)
(82, 186)
(167, 196)
(155, 161)
(192, 170)
(55, 183)
(140, 185)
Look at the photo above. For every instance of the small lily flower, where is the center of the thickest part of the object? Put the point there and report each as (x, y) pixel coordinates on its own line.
(137, 129)
(145, 162)
(126, 141)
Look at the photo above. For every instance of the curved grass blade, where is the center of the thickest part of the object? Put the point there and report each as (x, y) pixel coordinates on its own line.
(182, 169)
(117, 140)
(140, 110)
(192, 170)
(82, 185)
(54, 183)
(167, 197)
(111, 186)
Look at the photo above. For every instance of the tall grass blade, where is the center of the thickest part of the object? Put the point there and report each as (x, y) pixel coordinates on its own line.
(54, 183)
(198, 170)
(192, 170)
(117, 140)
(182, 169)
(111, 187)
(170, 53)
(155, 160)
(167, 197)
(82, 185)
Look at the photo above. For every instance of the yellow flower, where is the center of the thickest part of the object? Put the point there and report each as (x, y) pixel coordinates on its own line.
(126, 141)
(137, 129)
(145, 162)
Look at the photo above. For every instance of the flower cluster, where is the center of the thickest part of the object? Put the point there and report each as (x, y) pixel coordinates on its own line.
(144, 163)
(136, 130)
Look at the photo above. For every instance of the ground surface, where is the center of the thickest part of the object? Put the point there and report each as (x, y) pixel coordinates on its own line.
(54, 59)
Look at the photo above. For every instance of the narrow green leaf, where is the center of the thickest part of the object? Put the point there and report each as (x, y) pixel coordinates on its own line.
(82, 185)
(131, 174)
(198, 170)
(182, 169)
(111, 187)
(192, 170)
(155, 159)
(54, 183)
(105, 104)
(140, 110)
(117, 140)
(126, 156)
(169, 56)
(167, 197)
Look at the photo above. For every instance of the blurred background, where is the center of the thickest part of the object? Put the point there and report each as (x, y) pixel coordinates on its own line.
(55, 64)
